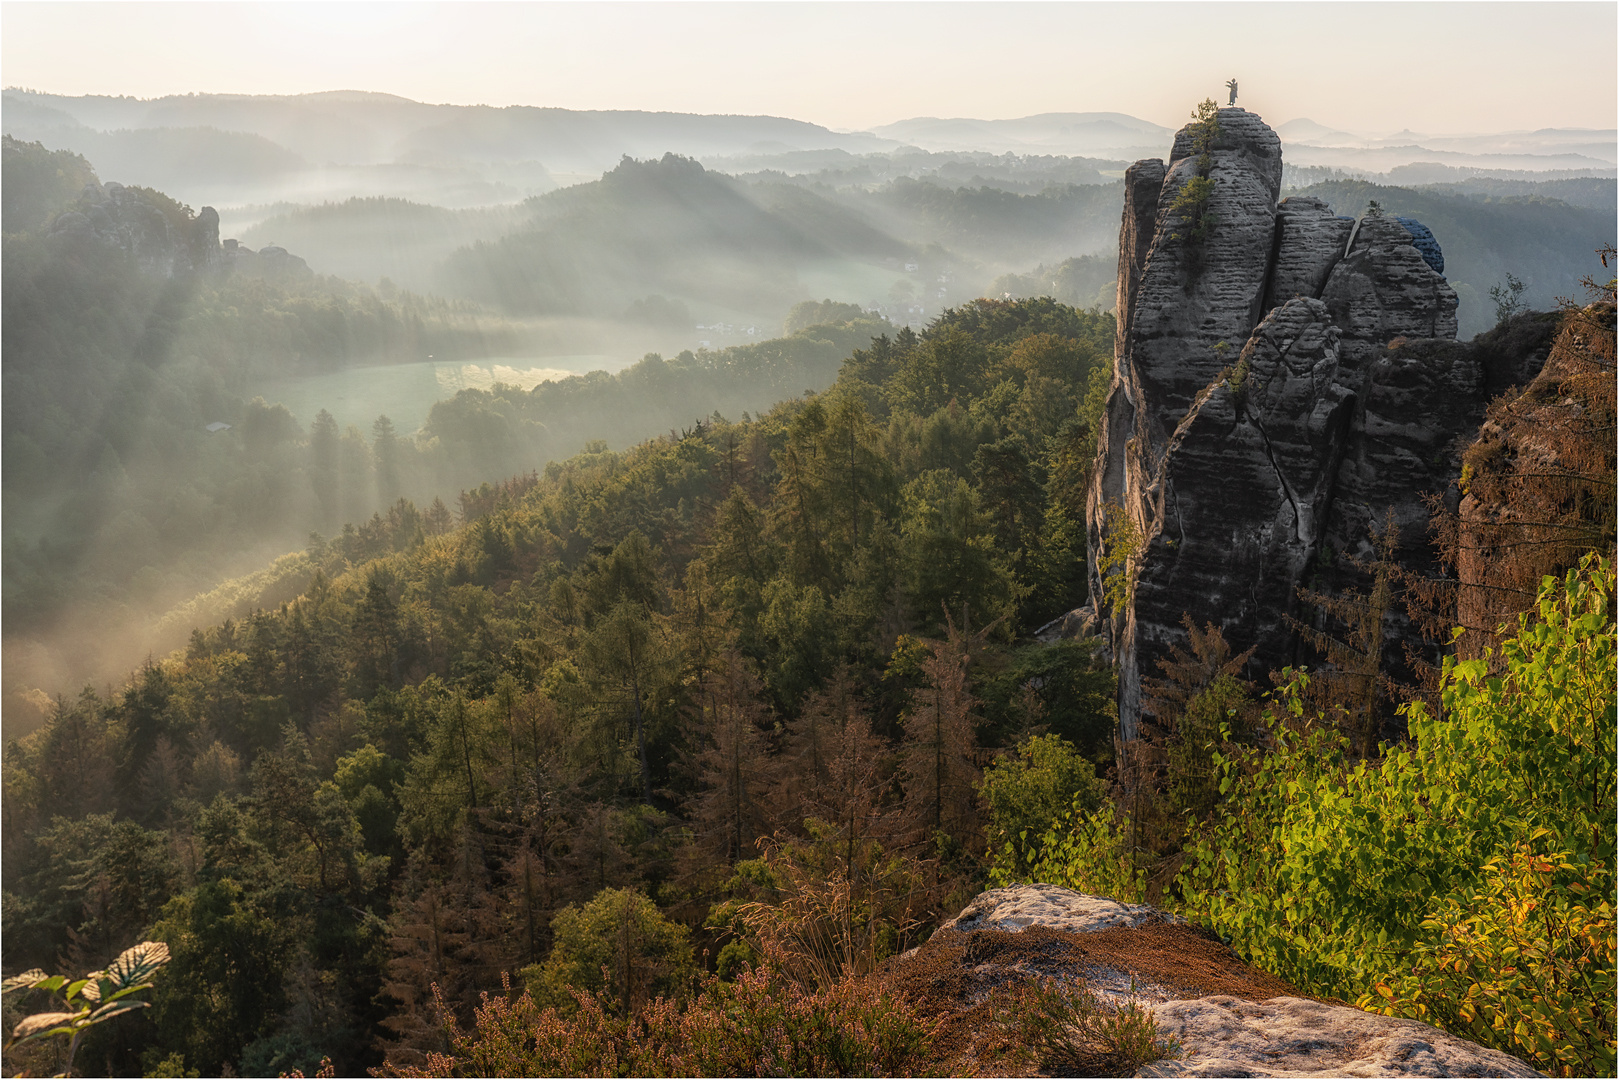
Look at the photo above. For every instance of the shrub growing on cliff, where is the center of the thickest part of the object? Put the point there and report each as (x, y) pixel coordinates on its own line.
(1028, 790)
(1087, 851)
(1115, 562)
(1192, 201)
(1411, 877)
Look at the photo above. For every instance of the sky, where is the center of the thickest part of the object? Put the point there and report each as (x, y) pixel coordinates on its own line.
(1373, 68)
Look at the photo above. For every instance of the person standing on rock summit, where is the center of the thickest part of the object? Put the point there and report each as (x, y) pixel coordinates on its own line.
(1231, 84)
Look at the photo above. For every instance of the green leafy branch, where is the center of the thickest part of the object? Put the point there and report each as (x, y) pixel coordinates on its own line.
(94, 999)
(1192, 201)
(1121, 543)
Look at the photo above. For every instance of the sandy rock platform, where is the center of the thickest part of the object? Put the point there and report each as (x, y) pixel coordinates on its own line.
(1231, 1019)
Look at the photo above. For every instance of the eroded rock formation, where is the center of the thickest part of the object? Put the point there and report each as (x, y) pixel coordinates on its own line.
(163, 238)
(1282, 385)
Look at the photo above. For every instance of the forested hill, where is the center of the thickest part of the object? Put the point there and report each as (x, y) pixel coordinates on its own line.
(665, 227)
(141, 469)
(621, 671)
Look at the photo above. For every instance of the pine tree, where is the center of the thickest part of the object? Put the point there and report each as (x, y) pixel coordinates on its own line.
(727, 812)
(939, 753)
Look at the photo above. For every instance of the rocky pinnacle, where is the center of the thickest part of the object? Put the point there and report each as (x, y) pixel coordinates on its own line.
(1285, 378)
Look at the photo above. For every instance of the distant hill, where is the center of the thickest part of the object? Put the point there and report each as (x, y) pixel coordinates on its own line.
(1592, 151)
(353, 128)
(372, 238)
(995, 227)
(1590, 192)
(752, 248)
(666, 227)
(1026, 173)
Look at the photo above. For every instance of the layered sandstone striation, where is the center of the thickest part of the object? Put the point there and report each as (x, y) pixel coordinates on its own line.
(1284, 386)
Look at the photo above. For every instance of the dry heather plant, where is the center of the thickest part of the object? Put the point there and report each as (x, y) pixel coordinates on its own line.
(761, 1025)
(1068, 1027)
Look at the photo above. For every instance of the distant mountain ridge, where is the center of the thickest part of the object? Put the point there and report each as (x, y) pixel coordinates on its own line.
(357, 128)
(1595, 150)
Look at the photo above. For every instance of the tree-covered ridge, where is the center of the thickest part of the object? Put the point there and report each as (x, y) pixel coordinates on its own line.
(666, 227)
(122, 495)
(39, 183)
(620, 672)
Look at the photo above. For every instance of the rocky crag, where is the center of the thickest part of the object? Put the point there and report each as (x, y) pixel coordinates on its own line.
(163, 238)
(1285, 380)
(1225, 1017)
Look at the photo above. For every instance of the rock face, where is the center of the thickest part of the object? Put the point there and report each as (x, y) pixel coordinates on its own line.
(163, 238)
(1230, 1019)
(1281, 386)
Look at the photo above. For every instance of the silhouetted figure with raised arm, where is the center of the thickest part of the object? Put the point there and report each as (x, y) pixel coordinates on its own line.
(1231, 84)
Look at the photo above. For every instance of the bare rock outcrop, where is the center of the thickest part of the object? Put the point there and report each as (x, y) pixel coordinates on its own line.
(1275, 431)
(1289, 1036)
(1310, 239)
(164, 238)
(1051, 906)
(1229, 1019)
(1285, 379)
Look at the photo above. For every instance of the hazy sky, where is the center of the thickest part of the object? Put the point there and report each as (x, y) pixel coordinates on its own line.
(1371, 67)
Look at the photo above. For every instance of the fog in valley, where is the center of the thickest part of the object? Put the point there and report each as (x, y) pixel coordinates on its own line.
(554, 538)
(407, 301)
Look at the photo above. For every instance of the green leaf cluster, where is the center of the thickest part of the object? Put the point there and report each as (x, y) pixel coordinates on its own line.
(94, 999)
(1415, 871)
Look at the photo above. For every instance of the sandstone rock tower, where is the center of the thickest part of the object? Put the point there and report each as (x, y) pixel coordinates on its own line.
(1283, 379)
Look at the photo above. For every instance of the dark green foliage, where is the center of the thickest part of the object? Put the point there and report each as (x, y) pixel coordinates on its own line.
(39, 183)
(618, 947)
(613, 679)
(1192, 200)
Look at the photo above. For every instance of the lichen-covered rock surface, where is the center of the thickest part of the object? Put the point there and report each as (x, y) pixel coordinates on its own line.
(1229, 1018)
(1289, 1036)
(1286, 381)
(1050, 906)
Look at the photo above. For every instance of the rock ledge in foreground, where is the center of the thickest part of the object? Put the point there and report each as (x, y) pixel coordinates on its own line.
(1228, 1016)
